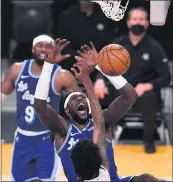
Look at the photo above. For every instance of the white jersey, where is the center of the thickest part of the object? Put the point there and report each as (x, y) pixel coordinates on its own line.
(103, 175)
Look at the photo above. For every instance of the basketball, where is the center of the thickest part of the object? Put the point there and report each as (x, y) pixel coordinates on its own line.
(114, 60)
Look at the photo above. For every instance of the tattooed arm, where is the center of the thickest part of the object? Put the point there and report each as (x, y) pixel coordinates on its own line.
(99, 136)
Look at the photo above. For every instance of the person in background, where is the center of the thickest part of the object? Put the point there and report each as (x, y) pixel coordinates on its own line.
(34, 156)
(82, 23)
(148, 72)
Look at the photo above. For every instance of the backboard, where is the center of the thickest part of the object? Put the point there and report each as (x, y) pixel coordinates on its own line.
(159, 11)
(115, 10)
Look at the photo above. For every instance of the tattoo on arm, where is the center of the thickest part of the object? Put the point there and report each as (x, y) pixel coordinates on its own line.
(99, 136)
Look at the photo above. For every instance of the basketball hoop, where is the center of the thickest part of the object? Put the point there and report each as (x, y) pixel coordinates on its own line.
(113, 9)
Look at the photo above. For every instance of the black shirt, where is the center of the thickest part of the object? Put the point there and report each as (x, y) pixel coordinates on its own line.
(149, 63)
(80, 30)
(75, 26)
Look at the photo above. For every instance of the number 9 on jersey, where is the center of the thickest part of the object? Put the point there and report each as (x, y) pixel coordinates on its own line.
(29, 114)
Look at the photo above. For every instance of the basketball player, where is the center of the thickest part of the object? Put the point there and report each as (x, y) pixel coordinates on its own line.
(100, 172)
(97, 147)
(79, 126)
(90, 54)
(34, 156)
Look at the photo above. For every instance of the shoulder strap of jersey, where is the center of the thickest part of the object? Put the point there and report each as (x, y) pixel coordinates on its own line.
(23, 70)
(55, 68)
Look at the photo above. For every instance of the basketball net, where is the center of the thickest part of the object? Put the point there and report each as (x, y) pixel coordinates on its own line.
(112, 9)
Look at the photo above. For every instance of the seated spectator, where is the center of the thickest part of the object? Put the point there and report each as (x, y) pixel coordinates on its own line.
(82, 23)
(148, 72)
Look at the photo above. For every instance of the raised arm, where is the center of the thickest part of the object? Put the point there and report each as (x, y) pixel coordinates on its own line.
(54, 122)
(120, 106)
(46, 113)
(8, 84)
(99, 136)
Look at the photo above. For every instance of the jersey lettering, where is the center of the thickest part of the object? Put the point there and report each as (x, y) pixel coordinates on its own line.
(22, 86)
(25, 84)
(29, 110)
(72, 143)
(28, 96)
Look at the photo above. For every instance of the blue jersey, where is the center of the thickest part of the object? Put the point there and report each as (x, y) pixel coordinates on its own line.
(25, 84)
(73, 136)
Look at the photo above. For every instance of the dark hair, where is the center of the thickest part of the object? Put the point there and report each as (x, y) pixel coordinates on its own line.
(86, 159)
(137, 8)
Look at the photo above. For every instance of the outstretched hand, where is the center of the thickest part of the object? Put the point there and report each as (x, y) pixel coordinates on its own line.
(55, 53)
(80, 70)
(89, 54)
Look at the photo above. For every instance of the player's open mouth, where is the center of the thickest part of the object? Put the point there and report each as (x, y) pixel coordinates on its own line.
(81, 108)
(43, 56)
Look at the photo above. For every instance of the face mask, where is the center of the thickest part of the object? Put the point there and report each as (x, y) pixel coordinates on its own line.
(137, 29)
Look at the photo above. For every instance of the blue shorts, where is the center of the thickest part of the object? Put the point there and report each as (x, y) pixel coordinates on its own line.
(34, 157)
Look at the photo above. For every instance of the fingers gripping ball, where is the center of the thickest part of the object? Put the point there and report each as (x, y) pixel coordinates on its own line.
(114, 60)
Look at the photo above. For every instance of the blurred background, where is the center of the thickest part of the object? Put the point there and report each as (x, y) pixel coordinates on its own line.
(23, 20)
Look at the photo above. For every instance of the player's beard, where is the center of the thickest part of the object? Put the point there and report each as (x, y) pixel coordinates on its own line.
(77, 119)
(39, 62)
